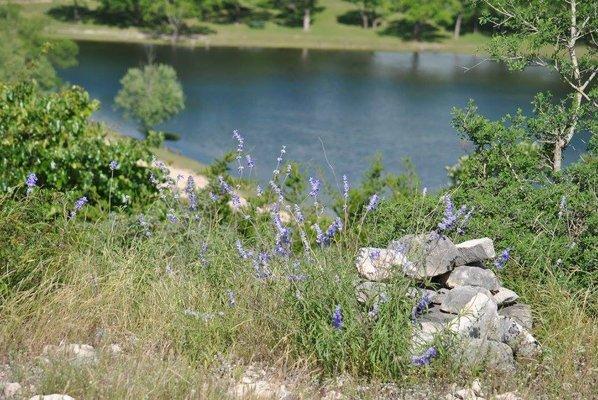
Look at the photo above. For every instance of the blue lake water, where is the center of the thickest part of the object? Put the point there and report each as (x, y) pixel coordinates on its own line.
(355, 103)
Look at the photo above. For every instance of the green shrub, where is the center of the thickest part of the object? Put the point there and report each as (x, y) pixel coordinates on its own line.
(51, 135)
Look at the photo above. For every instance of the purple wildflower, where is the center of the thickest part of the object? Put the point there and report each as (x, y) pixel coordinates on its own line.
(260, 265)
(214, 197)
(374, 254)
(319, 234)
(425, 358)
(240, 142)
(373, 203)
(144, 225)
(421, 306)
(172, 217)
(259, 190)
(283, 234)
(249, 160)
(298, 214)
(283, 151)
(334, 227)
(79, 204)
(314, 184)
(225, 187)
(190, 190)
(114, 165)
(31, 182)
(345, 192)
(242, 253)
(337, 318)
(501, 261)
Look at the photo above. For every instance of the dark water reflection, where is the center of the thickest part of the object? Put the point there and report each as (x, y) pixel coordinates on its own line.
(357, 103)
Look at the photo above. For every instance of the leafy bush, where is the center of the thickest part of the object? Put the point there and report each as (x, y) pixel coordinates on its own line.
(51, 135)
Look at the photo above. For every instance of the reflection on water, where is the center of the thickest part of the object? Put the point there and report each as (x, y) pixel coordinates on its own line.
(357, 103)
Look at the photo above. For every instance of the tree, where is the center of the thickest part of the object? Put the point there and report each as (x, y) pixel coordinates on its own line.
(130, 10)
(150, 95)
(549, 34)
(432, 12)
(298, 9)
(26, 55)
(171, 12)
(369, 11)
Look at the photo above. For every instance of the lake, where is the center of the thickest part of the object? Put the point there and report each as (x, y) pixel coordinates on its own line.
(354, 103)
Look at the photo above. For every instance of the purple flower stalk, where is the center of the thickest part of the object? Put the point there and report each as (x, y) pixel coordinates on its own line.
(249, 160)
(114, 165)
(337, 318)
(31, 182)
(144, 225)
(332, 230)
(314, 184)
(171, 217)
(425, 358)
(421, 307)
(298, 214)
(374, 255)
(260, 265)
(319, 234)
(242, 253)
(501, 261)
(240, 142)
(374, 200)
(259, 191)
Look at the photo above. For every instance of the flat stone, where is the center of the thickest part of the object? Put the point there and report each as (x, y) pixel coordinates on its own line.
(520, 312)
(466, 394)
(437, 316)
(377, 264)
(423, 335)
(440, 295)
(475, 251)
(519, 339)
(492, 355)
(505, 296)
(477, 318)
(428, 255)
(458, 297)
(78, 353)
(52, 397)
(11, 389)
(507, 396)
(367, 292)
(472, 276)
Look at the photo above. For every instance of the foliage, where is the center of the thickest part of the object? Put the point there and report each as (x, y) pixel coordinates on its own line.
(26, 55)
(50, 135)
(150, 95)
(432, 12)
(548, 34)
(297, 11)
(371, 10)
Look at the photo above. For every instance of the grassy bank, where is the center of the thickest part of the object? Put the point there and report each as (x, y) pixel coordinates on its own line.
(326, 33)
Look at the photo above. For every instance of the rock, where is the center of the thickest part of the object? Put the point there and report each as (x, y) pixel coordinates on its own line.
(472, 276)
(332, 395)
(377, 264)
(428, 255)
(507, 396)
(517, 337)
(437, 316)
(11, 389)
(493, 355)
(423, 334)
(505, 296)
(477, 318)
(476, 386)
(79, 353)
(52, 397)
(260, 389)
(465, 394)
(521, 313)
(458, 297)
(115, 349)
(440, 295)
(367, 291)
(475, 251)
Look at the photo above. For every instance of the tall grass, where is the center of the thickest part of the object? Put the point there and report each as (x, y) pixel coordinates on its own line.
(179, 296)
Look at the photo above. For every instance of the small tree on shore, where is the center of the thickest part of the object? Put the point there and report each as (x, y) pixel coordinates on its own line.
(150, 95)
(551, 34)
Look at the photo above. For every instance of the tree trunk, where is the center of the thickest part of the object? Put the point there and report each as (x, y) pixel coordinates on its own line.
(557, 155)
(417, 31)
(364, 19)
(306, 19)
(476, 25)
(457, 31)
(76, 11)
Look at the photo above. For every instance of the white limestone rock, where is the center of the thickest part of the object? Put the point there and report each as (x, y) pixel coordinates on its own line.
(475, 251)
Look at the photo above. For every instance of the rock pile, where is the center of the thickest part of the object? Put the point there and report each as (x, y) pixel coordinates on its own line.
(457, 297)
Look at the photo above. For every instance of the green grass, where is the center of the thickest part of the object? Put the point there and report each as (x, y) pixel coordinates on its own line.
(326, 33)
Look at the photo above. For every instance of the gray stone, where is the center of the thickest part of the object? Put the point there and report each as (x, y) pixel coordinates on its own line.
(378, 264)
(440, 295)
(505, 296)
(423, 335)
(487, 353)
(520, 312)
(472, 276)
(428, 255)
(11, 389)
(52, 397)
(77, 353)
(367, 292)
(475, 251)
(435, 315)
(507, 396)
(519, 339)
(477, 319)
(458, 297)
